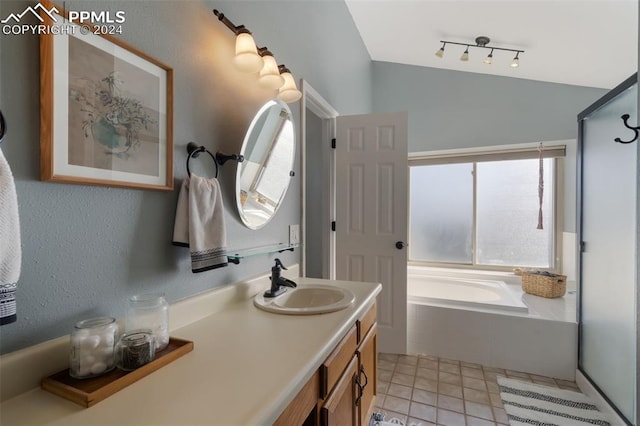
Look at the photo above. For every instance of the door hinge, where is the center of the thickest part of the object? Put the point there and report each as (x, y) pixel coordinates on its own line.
(583, 246)
(333, 143)
(333, 226)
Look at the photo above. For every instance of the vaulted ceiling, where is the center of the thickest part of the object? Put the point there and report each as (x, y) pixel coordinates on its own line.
(581, 42)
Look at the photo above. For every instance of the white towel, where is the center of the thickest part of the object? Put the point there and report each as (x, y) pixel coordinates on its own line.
(10, 248)
(199, 223)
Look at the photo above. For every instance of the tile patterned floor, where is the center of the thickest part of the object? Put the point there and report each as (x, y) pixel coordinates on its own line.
(426, 390)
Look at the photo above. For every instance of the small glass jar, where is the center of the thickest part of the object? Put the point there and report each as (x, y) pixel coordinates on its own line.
(135, 349)
(92, 343)
(150, 311)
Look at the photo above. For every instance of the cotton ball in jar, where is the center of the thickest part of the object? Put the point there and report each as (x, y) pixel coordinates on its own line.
(83, 372)
(107, 339)
(98, 367)
(87, 361)
(89, 343)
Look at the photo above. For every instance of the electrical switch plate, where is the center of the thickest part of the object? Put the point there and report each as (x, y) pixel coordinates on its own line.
(294, 234)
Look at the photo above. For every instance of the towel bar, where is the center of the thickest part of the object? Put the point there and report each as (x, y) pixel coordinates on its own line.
(194, 151)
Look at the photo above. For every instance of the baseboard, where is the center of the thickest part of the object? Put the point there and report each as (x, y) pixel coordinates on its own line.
(588, 389)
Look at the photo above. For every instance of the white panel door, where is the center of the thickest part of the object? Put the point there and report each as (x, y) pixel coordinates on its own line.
(371, 215)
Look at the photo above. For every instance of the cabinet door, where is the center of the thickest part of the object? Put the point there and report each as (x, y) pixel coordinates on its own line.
(367, 377)
(340, 407)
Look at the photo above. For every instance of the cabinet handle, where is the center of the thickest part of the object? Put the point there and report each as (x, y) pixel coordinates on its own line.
(366, 379)
(360, 390)
(360, 385)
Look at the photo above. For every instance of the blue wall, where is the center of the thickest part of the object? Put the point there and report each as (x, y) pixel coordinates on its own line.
(87, 249)
(453, 109)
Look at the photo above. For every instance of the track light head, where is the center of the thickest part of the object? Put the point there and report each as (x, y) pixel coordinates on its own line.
(516, 61)
(489, 59)
(465, 55)
(440, 52)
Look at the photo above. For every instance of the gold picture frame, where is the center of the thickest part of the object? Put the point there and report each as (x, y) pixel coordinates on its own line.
(106, 109)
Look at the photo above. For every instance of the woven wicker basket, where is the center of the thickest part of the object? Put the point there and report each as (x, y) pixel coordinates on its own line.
(548, 286)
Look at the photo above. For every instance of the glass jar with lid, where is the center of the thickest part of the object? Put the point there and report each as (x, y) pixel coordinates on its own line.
(150, 311)
(92, 343)
(134, 349)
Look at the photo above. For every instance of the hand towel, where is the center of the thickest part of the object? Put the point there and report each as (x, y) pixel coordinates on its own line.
(199, 223)
(10, 248)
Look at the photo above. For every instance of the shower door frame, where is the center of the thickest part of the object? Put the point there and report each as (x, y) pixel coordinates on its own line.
(608, 97)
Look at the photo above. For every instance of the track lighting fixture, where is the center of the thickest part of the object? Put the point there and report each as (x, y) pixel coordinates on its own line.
(251, 59)
(481, 42)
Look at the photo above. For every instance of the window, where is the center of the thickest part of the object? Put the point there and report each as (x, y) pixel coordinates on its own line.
(482, 212)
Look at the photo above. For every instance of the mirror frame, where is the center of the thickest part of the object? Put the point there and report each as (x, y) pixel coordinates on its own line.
(252, 128)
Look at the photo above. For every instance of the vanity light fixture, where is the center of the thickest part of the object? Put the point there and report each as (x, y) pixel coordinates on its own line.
(481, 42)
(249, 58)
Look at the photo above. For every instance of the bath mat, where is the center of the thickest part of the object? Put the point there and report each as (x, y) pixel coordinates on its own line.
(533, 404)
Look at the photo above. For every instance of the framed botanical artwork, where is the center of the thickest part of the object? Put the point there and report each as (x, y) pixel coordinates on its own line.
(105, 108)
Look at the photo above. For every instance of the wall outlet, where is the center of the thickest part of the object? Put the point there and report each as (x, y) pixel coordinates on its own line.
(294, 234)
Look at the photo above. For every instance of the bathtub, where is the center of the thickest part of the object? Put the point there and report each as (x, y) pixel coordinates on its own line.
(464, 292)
(483, 318)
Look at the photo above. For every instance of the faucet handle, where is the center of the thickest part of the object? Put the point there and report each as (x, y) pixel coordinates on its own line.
(279, 264)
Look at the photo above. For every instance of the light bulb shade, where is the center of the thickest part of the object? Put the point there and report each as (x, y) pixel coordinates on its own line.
(515, 63)
(465, 56)
(270, 75)
(289, 92)
(247, 58)
(488, 60)
(440, 52)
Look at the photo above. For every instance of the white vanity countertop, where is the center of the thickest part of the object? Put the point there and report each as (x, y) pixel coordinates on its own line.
(245, 368)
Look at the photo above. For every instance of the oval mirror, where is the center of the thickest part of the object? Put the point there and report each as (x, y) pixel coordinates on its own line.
(263, 177)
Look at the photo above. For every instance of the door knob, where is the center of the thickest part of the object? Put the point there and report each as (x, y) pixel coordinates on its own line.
(400, 245)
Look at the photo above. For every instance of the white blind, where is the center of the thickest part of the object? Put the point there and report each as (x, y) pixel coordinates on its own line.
(494, 155)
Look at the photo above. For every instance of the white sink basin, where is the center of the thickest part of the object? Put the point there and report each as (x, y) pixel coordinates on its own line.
(307, 299)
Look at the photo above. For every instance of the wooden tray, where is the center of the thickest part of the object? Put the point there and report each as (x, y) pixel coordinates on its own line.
(88, 392)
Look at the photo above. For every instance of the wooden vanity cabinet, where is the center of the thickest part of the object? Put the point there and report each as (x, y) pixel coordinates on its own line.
(344, 385)
(352, 399)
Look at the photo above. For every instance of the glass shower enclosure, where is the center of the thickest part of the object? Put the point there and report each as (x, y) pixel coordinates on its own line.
(608, 218)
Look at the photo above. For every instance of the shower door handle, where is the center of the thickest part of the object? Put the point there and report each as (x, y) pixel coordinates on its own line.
(400, 245)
